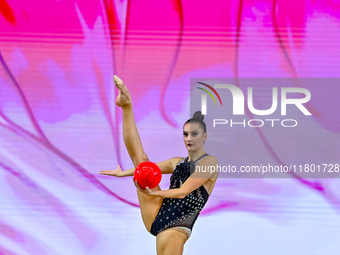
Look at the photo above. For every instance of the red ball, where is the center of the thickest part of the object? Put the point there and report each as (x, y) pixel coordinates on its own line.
(148, 174)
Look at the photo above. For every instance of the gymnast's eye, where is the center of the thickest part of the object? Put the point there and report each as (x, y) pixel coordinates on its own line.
(185, 134)
(194, 134)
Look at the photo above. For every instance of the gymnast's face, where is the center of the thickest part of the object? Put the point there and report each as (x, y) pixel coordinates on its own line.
(194, 136)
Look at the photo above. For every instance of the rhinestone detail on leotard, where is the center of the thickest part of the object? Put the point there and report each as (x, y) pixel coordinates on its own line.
(176, 212)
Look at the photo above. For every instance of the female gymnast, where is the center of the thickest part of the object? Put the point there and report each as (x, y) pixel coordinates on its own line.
(169, 214)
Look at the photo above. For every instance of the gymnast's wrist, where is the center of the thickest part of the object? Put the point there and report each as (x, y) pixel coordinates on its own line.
(125, 173)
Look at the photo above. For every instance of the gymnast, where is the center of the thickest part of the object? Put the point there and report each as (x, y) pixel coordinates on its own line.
(169, 214)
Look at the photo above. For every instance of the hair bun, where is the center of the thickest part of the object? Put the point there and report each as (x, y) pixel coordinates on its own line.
(198, 116)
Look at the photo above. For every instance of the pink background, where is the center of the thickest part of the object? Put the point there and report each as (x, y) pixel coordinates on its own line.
(59, 126)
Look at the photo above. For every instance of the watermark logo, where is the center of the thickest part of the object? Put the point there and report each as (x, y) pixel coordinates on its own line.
(204, 97)
(238, 104)
(238, 100)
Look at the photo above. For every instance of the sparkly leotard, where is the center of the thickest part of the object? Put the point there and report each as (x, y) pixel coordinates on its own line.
(178, 213)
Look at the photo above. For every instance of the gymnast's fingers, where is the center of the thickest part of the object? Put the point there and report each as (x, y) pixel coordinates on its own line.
(148, 190)
(107, 172)
(137, 184)
(139, 187)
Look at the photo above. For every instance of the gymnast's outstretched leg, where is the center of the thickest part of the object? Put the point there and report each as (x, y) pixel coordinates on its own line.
(149, 205)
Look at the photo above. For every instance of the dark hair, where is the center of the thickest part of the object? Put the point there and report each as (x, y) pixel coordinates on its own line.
(198, 118)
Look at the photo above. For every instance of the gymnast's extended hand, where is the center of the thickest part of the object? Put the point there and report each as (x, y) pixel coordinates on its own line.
(117, 172)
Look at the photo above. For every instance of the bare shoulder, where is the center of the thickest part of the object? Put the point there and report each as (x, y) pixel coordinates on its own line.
(209, 160)
(174, 161)
(168, 166)
(208, 166)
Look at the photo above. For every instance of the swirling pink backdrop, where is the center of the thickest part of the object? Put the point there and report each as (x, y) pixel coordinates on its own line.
(59, 126)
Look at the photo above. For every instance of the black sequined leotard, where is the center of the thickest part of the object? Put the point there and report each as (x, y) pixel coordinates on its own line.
(177, 212)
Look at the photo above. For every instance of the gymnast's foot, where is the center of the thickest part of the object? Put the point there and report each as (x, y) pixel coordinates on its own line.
(123, 99)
